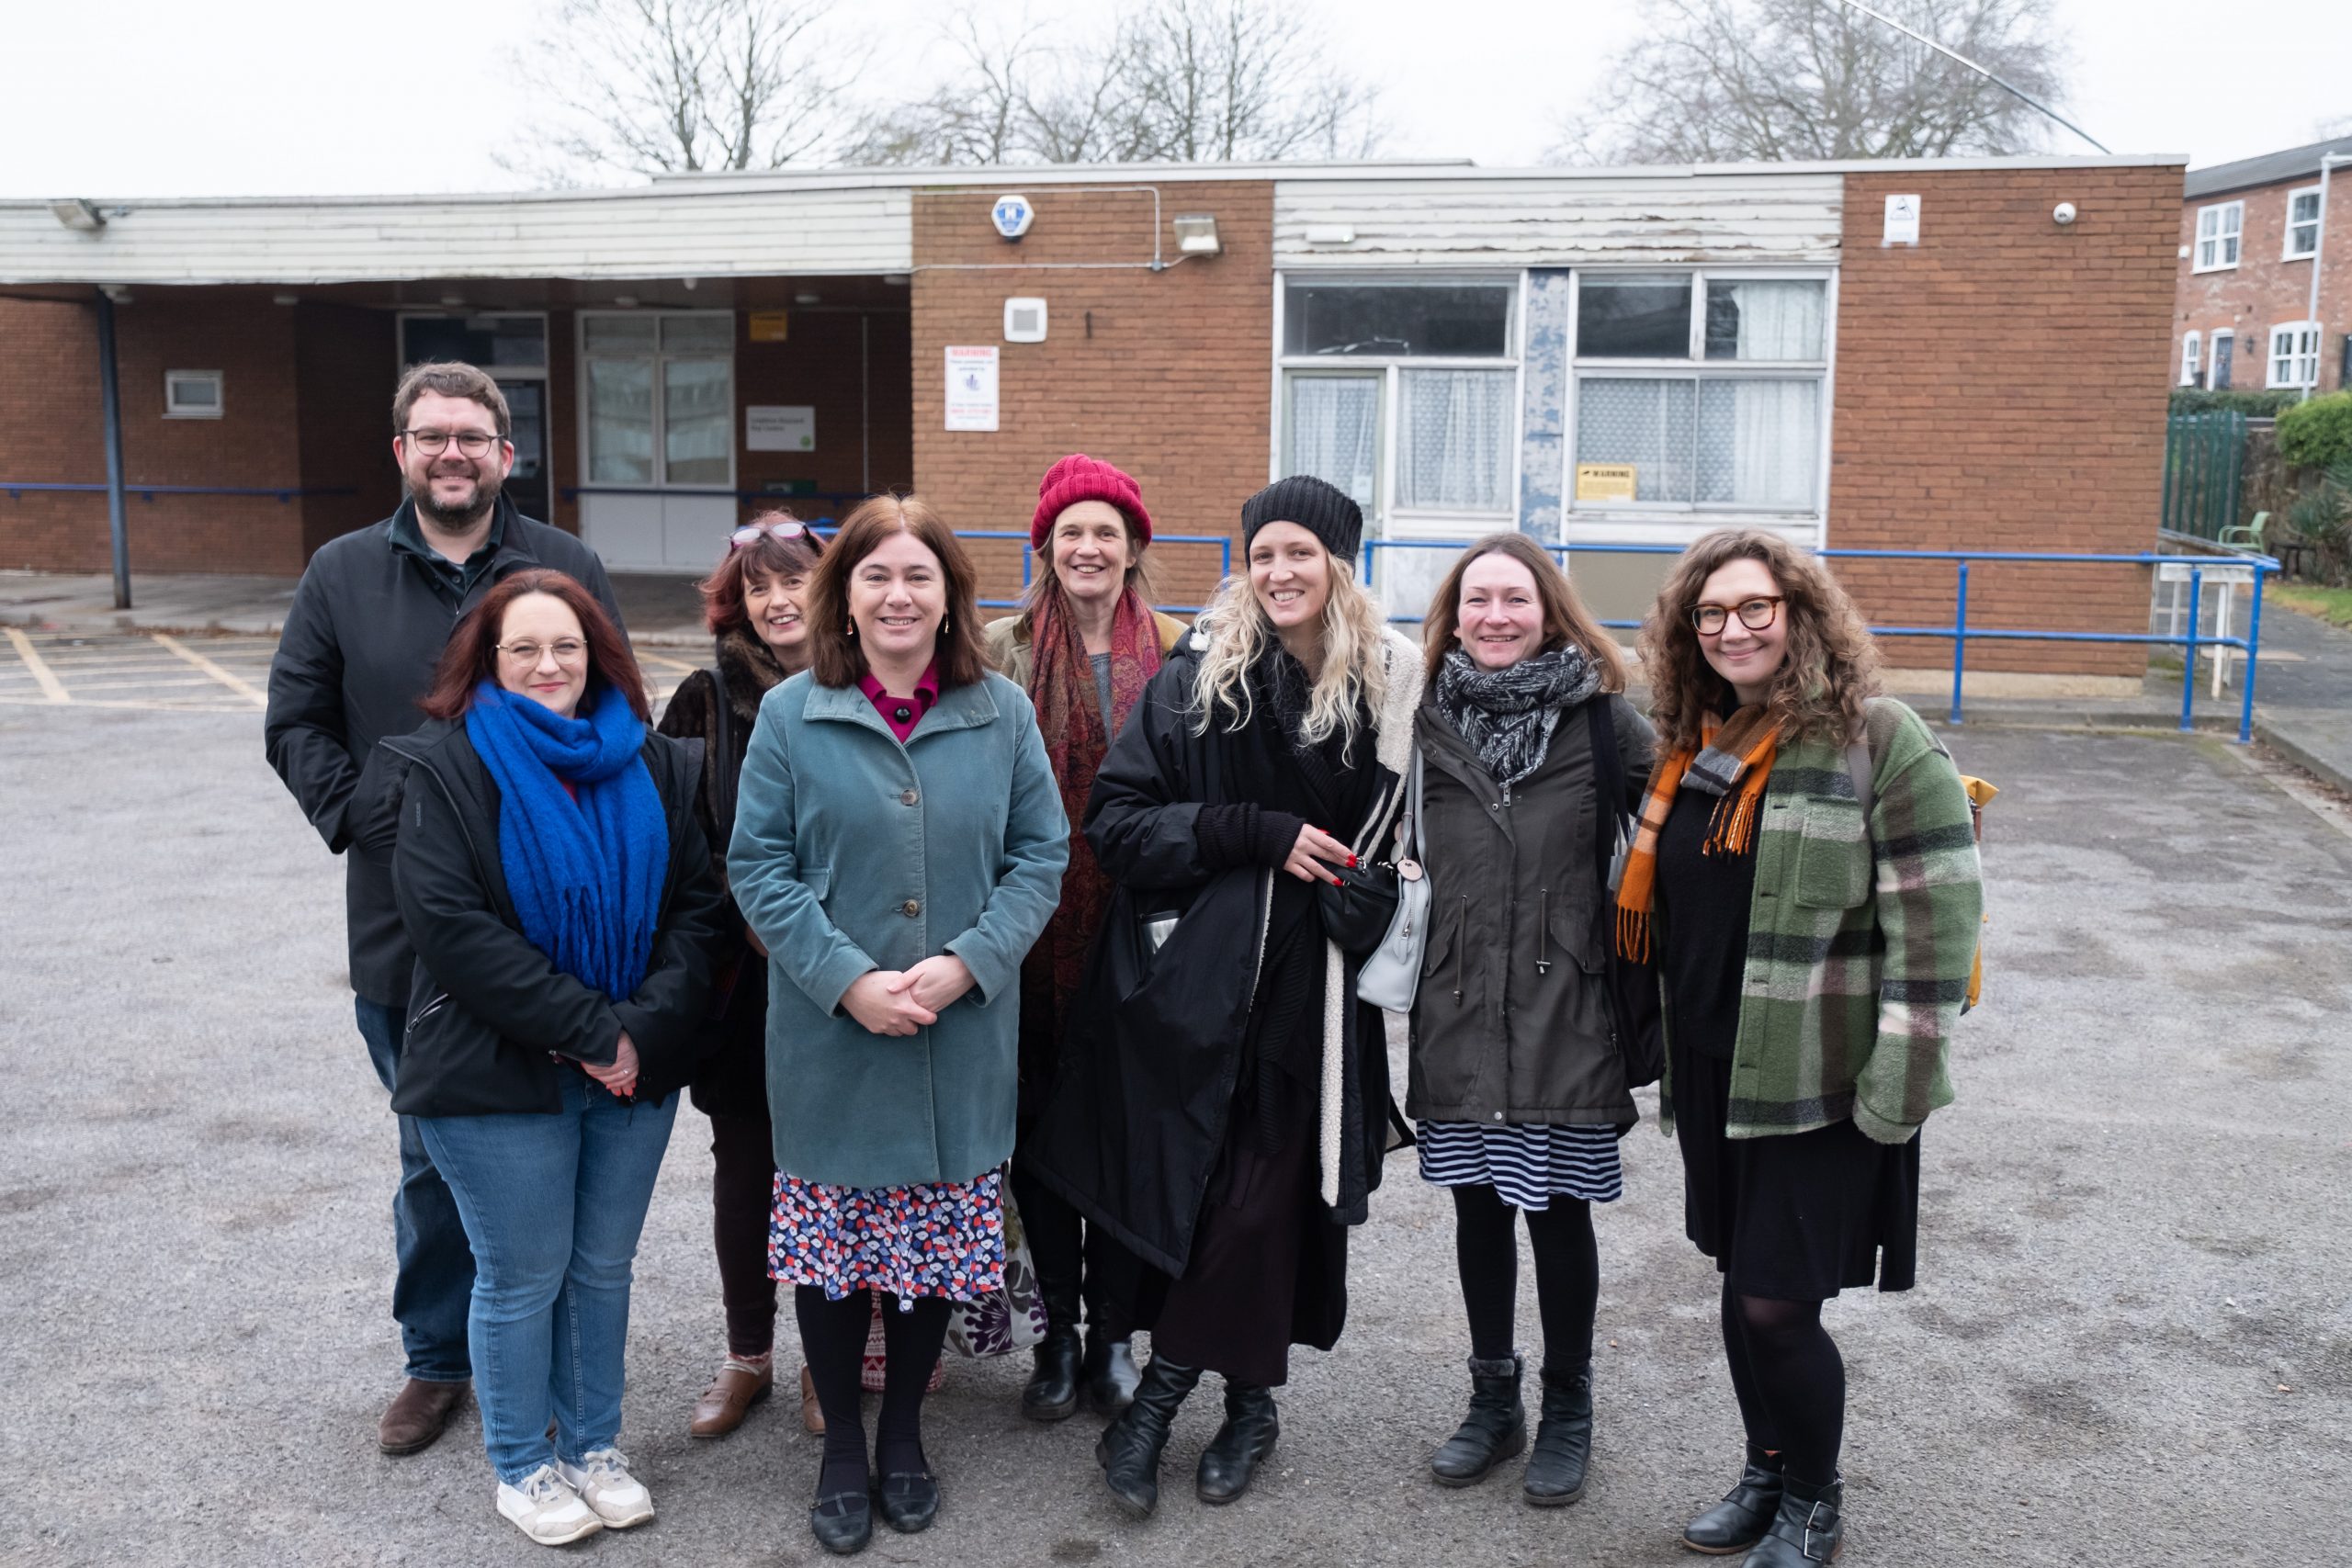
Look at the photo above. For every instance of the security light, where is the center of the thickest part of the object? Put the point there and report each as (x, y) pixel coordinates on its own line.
(1196, 235)
(76, 213)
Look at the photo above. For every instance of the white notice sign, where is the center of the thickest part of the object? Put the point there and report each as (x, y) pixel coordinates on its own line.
(971, 388)
(1902, 220)
(769, 427)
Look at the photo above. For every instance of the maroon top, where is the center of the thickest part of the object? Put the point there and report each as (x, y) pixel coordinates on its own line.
(902, 714)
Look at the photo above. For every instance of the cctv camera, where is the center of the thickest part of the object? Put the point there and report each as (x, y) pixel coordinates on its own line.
(2064, 213)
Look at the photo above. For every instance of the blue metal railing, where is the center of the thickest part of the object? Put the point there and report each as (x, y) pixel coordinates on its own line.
(1224, 543)
(16, 487)
(1961, 634)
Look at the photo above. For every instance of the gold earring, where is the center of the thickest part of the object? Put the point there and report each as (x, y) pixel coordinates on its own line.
(853, 629)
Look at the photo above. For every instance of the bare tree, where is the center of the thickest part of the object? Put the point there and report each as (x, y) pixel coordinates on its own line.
(674, 86)
(1734, 81)
(1177, 79)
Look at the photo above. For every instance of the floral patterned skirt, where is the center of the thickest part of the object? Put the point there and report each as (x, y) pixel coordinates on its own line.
(930, 1239)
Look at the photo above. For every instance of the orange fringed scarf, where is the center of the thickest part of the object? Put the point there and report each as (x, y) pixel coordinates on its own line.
(1733, 763)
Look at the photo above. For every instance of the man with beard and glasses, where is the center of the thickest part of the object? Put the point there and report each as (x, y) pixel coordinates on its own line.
(368, 622)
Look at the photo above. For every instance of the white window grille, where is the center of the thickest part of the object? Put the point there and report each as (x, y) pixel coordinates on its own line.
(2294, 353)
(2188, 368)
(2302, 224)
(2218, 230)
(657, 397)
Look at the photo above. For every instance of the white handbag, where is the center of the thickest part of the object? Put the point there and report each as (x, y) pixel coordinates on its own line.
(1393, 971)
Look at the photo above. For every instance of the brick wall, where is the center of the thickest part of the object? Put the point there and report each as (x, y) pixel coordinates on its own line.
(2000, 387)
(1170, 379)
(50, 431)
(822, 365)
(2264, 289)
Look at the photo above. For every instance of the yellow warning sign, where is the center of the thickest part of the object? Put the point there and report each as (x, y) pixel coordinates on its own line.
(768, 326)
(1605, 481)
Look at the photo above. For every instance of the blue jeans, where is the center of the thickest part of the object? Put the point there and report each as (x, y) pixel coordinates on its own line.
(436, 1278)
(553, 1205)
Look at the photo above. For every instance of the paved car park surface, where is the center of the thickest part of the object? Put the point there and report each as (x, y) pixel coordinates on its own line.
(2131, 1341)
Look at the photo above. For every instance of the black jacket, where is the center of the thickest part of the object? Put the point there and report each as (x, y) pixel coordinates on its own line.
(1143, 1101)
(487, 1010)
(1512, 1022)
(368, 622)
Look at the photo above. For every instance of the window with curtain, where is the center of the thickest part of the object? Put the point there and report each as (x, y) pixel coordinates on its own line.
(1739, 429)
(1333, 432)
(660, 391)
(1453, 440)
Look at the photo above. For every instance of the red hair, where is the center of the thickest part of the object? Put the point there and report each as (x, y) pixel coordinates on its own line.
(722, 590)
(471, 657)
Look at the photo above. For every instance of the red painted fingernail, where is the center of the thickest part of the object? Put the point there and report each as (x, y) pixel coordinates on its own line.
(1339, 882)
(1352, 861)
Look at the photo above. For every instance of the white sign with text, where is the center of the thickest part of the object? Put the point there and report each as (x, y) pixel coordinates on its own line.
(771, 427)
(971, 388)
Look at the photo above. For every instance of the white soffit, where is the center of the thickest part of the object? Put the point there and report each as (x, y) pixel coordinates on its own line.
(703, 231)
(1538, 220)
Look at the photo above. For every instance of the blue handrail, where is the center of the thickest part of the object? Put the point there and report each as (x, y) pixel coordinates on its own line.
(16, 487)
(1961, 634)
(1224, 543)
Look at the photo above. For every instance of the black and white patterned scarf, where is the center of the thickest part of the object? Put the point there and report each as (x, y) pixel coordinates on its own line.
(1508, 714)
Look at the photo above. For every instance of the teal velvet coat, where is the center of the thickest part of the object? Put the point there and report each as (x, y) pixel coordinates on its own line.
(852, 853)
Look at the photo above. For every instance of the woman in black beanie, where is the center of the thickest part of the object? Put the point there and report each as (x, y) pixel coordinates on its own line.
(1222, 1105)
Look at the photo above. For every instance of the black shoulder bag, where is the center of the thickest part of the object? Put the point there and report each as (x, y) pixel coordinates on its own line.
(1635, 1006)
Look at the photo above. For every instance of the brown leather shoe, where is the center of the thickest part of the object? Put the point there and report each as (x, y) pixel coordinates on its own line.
(812, 1415)
(733, 1392)
(417, 1414)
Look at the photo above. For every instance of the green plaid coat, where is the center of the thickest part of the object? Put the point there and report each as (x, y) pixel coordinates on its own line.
(1855, 972)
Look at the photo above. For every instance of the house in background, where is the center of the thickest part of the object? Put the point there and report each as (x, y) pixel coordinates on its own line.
(2250, 235)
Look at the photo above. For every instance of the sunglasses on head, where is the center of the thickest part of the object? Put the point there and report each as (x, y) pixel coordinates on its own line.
(752, 533)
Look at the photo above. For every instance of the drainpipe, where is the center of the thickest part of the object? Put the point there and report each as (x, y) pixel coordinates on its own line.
(111, 396)
(2319, 253)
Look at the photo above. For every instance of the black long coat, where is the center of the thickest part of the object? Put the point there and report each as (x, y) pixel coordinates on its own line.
(1143, 1101)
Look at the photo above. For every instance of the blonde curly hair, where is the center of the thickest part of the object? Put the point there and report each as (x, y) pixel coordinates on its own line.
(1826, 677)
(1355, 675)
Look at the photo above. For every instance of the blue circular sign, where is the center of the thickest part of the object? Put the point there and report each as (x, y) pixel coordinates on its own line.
(1013, 215)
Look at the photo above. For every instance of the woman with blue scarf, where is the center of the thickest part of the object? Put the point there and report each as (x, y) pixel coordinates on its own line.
(561, 899)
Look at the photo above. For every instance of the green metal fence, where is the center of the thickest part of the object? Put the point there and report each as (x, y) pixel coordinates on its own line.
(2204, 454)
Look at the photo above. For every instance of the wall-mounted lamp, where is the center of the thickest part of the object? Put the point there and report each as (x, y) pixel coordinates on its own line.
(79, 214)
(806, 298)
(285, 299)
(626, 301)
(1196, 235)
(453, 301)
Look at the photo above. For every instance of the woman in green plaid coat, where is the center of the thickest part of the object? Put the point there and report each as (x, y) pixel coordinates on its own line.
(1805, 879)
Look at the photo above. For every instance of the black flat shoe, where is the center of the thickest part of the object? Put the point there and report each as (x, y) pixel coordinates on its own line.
(908, 1500)
(842, 1523)
(1740, 1520)
(1240, 1445)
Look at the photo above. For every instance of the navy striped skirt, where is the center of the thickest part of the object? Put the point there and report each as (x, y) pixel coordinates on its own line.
(1527, 1165)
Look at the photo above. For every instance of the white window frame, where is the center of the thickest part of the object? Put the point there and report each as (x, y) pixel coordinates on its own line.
(2301, 352)
(1388, 517)
(2231, 234)
(174, 409)
(2191, 359)
(662, 483)
(2287, 251)
(2213, 356)
(1675, 522)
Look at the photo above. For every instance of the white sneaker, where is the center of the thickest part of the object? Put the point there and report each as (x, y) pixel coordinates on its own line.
(604, 1483)
(547, 1510)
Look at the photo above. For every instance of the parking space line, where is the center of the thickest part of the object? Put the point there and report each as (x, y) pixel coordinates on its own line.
(647, 656)
(52, 688)
(235, 683)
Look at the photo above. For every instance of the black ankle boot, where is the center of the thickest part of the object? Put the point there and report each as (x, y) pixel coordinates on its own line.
(1740, 1521)
(1052, 1391)
(1130, 1447)
(1495, 1429)
(1563, 1457)
(1246, 1439)
(1806, 1532)
(1109, 1372)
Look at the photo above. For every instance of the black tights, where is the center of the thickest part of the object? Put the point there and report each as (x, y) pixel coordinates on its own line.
(1790, 1382)
(832, 1338)
(1567, 1274)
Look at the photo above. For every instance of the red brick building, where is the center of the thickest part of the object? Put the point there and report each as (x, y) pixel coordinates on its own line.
(1616, 361)
(2252, 233)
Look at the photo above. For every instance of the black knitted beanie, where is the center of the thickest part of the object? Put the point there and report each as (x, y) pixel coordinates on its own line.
(1322, 508)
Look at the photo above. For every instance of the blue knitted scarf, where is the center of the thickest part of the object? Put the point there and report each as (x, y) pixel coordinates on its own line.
(585, 873)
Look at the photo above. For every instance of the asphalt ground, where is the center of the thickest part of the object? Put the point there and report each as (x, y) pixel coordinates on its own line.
(2130, 1343)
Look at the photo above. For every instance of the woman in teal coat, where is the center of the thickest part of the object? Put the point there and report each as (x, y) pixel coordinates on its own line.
(899, 847)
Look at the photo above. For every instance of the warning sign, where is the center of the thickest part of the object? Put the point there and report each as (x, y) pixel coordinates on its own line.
(1605, 481)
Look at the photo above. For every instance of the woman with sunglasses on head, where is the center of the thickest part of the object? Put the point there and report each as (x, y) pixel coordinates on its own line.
(1084, 647)
(1224, 1104)
(558, 890)
(1519, 1084)
(898, 846)
(754, 605)
(1806, 872)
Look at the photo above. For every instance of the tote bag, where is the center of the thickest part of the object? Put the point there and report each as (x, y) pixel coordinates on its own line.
(1393, 971)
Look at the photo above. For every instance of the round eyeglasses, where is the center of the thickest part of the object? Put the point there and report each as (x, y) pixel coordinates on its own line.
(1753, 614)
(433, 443)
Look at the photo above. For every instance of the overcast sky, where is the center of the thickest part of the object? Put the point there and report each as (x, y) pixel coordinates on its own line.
(140, 98)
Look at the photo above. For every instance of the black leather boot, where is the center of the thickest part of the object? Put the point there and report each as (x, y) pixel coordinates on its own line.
(1740, 1521)
(1806, 1532)
(1495, 1429)
(1110, 1373)
(1245, 1440)
(1052, 1391)
(1129, 1448)
(1563, 1457)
